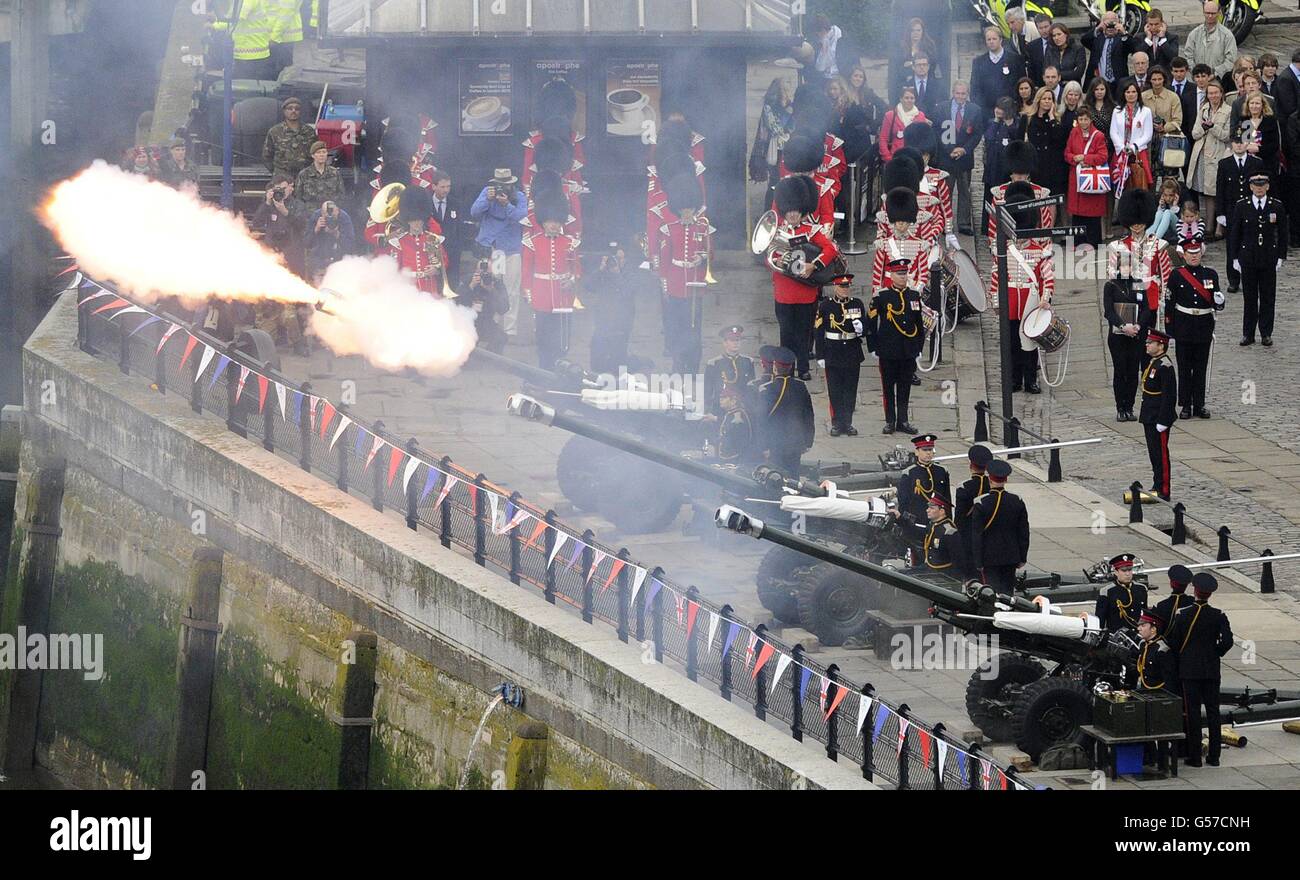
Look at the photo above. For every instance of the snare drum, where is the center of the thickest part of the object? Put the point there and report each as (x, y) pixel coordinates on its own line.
(1048, 331)
(961, 276)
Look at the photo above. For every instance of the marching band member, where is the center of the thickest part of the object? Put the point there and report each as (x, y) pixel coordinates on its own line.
(901, 241)
(550, 269)
(803, 157)
(895, 334)
(1020, 158)
(415, 240)
(922, 137)
(672, 159)
(555, 157)
(907, 169)
(1031, 280)
(684, 245)
(802, 248)
(556, 106)
(1194, 297)
(1138, 266)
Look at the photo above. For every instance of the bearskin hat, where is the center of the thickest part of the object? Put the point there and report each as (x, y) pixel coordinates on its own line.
(900, 205)
(1136, 206)
(1022, 191)
(922, 137)
(549, 201)
(557, 98)
(394, 172)
(796, 193)
(414, 203)
(683, 192)
(673, 135)
(556, 127)
(901, 171)
(855, 130)
(803, 154)
(671, 163)
(553, 155)
(1021, 157)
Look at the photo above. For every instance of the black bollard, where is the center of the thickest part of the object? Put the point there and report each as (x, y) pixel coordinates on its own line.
(1266, 584)
(1179, 535)
(981, 423)
(1135, 502)
(1054, 464)
(1224, 532)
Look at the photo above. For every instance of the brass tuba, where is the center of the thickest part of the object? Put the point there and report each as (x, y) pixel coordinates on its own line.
(764, 232)
(385, 204)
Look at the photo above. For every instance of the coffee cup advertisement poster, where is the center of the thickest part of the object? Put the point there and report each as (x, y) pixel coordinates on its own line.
(632, 99)
(569, 73)
(485, 93)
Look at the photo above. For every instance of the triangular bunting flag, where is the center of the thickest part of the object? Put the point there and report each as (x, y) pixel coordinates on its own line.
(131, 310)
(750, 646)
(615, 567)
(986, 773)
(262, 384)
(208, 354)
(655, 586)
(394, 461)
(338, 432)
(189, 347)
(1002, 779)
(679, 603)
(115, 303)
(222, 363)
(296, 407)
(596, 560)
(167, 334)
(840, 691)
(864, 706)
(312, 403)
(379, 444)
(326, 416)
(411, 467)
(84, 300)
(733, 630)
(362, 434)
(637, 580)
(279, 394)
(764, 654)
(152, 319)
(446, 490)
(560, 538)
(537, 530)
(714, 620)
(805, 676)
(821, 696)
(692, 609)
(943, 754)
(903, 724)
(882, 715)
(962, 769)
(492, 512)
(578, 547)
(781, 663)
(239, 386)
(927, 742)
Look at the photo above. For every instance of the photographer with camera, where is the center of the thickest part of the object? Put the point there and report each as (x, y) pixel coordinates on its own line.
(1108, 49)
(501, 209)
(331, 236)
(486, 295)
(276, 219)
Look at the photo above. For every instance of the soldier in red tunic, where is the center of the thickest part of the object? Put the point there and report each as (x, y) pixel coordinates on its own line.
(1031, 280)
(684, 247)
(803, 156)
(554, 127)
(804, 239)
(550, 272)
(555, 157)
(416, 242)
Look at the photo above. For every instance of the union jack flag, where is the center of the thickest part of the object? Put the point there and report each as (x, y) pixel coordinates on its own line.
(1119, 172)
(1094, 179)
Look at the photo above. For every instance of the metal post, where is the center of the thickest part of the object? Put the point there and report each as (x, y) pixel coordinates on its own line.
(1000, 219)
(444, 529)
(304, 429)
(868, 728)
(853, 249)
(516, 546)
(588, 598)
(937, 732)
(657, 612)
(796, 703)
(480, 511)
(234, 419)
(832, 720)
(973, 751)
(1054, 464)
(549, 545)
(1224, 532)
(341, 451)
(412, 489)
(268, 421)
(1266, 584)
(196, 390)
(123, 349)
(760, 680)
(693, 651)
(1135, 502)
(904, 752)
(981, 422)
(1012, 431)
(1179, 535)
(377, 475)
(624, 590)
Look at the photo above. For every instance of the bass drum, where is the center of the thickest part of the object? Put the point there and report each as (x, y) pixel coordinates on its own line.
(962, 278)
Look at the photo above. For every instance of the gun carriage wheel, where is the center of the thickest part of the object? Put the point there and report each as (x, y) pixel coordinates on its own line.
(990, 698)
(1050, 712)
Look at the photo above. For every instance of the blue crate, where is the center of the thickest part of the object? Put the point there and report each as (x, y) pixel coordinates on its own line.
(343, 111)
(1128, 758)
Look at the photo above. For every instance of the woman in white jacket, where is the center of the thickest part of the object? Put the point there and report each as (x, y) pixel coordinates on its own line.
(1131, 132)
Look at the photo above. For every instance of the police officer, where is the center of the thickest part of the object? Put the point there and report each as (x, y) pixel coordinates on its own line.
(1257, 240)
(787, 414)
(737, 442)
(1157, 662)
(978, 457)
(731, 369)
(1121, 604)
(895, 335)
(1159, 397)
(1194, 297)
(837, 346)
(937, 537)
(999, 532)
(1202, 636)
(1168, 607)
(923, 480)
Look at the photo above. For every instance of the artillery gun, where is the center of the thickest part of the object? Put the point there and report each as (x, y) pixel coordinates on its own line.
(1016, 697)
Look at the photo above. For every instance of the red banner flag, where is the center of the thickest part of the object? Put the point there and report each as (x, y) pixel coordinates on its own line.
(538, 530)
(189, 347)
(115, 303)
(840, 691)
(262, 385)
(926, 744)
(692, 609)
(326, 416)
(764, 654)
(613, 573)
(394, 461)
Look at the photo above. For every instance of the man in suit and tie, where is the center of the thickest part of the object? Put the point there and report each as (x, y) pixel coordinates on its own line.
(1181, 84)
(961, 126)
(452, 228)
(1155, 40)
(1108, 50)
(1052, 80)
(929, 90)
(994, 73)
(1139, 65)
(1036, 49)
(1286, 87)
(1231, 185)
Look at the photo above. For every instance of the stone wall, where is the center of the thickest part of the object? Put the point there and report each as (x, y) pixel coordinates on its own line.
(148, 482)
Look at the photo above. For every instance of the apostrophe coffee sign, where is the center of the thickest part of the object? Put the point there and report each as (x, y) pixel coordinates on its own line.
(485, 94)
(632, 99)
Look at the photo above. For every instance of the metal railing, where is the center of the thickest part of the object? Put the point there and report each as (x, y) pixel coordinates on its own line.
(884, 739)
(1011, 431)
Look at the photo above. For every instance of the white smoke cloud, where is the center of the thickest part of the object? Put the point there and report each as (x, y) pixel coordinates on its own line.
(379, 313)
(151, 240)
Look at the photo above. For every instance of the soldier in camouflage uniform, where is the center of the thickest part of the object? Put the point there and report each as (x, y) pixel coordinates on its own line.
(319, 182)
(288, 144)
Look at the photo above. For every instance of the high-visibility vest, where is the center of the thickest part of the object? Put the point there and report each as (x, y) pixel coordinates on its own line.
(315, 13)
(252, 33)
(286, 20)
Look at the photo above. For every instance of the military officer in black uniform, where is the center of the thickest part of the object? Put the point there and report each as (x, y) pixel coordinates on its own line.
(1201, 636)
(1122, 603)
(837, 347)
(1257, 240)
(923, 480)
(737, 443)
(895, 334)
(764, 374)
(979, 457)
(935, 536)
(1168, 607)
(731, 368)
(1159, 387)
(1231, 186)
(787, 413)
(999, 532)
(1157, 662)
(1194, 297)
